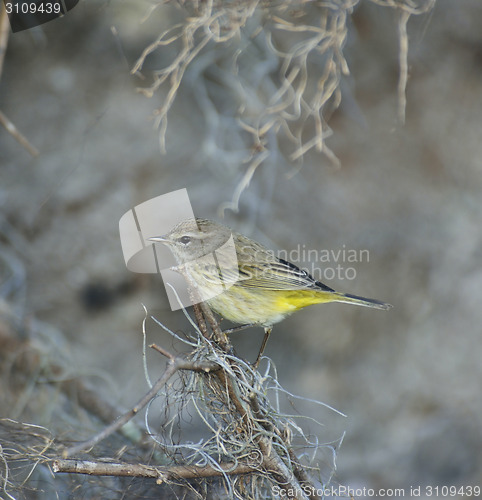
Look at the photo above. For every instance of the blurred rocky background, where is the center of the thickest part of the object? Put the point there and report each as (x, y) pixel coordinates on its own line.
(408, 379)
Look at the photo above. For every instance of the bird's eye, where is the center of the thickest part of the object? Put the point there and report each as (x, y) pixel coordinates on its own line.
(184, 240)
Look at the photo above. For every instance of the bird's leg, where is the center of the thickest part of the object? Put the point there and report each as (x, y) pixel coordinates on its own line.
(238, 328)
(267, 332)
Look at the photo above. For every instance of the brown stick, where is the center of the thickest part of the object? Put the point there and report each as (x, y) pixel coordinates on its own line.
(4, 32)
(298, 471)
(186, 364)
(201, 321)
(16, 134)
(220, 337)
(161, 474)
(272, 462)
(11, 128)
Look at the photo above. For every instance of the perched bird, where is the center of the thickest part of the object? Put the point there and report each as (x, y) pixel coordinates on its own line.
(242, 280)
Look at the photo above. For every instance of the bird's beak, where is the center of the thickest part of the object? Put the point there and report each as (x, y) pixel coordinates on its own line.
(160, 239)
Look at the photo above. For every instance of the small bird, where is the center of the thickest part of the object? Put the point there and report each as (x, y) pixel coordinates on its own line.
(242, 280)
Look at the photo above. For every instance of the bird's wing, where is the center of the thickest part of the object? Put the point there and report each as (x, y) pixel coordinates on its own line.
(279, 274)
(246, 271)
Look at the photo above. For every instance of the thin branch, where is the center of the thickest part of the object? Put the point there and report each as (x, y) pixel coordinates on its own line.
(299, 473)
(9, 126)
(403, 64)
(174, 364)
(17, 135)
(161, 474)
(200, 320)
(4, 32)
(273, 464)
(186, 364)
(219, 336)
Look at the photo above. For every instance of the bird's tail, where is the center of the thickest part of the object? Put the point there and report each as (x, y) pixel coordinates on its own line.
(361, 301)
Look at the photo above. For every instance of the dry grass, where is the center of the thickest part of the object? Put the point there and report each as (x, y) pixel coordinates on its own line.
(280, 65)
(248, 445)
(241, 414)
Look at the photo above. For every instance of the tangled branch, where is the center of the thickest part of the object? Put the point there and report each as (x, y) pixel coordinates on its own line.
(280, 65)
(247, 435)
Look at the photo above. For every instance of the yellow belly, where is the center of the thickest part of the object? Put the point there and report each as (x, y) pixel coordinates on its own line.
(264, 307)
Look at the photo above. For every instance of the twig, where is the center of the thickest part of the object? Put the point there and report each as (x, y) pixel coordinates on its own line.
(405, 10)
(161, 474)
(220, 337)
(299, 473)
(403, 64)
(186, 364)
(20, 138)
(200, 320)
(272, 462)
(174, 364)
(4, 32)
(9, 126)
